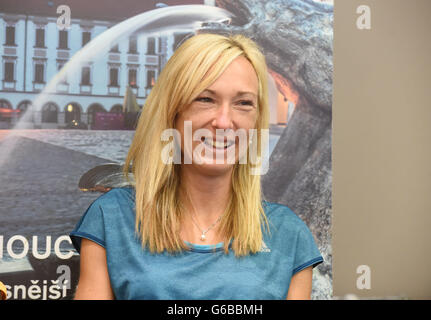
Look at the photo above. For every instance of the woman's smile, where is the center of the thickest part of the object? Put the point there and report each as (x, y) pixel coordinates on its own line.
(217, 144)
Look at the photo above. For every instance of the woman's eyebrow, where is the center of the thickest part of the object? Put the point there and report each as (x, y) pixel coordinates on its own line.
(243, 93)
(239, 93)
(209, 91)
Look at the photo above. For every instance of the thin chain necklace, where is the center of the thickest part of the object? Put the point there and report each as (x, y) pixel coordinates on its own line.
(203, 235)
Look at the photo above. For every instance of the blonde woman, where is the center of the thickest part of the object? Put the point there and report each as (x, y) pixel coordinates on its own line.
(193, 224)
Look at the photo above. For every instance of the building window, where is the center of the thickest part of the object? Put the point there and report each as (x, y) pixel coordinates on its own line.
(40, 38)
(24, 107)
(132, 78)
(72, 112)
(9, 68)
(133, 45)
(151, 45)
(5, 115)
(92, 112)
(63, 39)
(10, 36)
(85, 76)
(151, 78)
(63, 79)
(86, 37)
(5, 104)
(39, 73)
(115, 49)
(113, 77)
(50, 113)
(118, 108)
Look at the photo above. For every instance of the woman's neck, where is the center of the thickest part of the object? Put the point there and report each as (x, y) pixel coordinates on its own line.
(207, 196)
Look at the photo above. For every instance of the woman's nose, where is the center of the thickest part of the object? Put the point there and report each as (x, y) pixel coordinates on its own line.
(223, 117)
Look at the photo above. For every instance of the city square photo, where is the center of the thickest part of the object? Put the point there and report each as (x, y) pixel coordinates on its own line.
(77, 78)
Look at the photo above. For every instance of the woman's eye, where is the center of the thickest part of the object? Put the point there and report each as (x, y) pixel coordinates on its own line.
(246, 103)
(204, 99)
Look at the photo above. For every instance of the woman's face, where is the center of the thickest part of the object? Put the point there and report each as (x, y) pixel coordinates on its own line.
(215, 127)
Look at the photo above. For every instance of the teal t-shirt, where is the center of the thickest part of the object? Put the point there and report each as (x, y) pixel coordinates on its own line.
(201, 272)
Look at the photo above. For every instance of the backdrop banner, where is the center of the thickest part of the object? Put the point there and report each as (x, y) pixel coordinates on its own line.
(75, 77)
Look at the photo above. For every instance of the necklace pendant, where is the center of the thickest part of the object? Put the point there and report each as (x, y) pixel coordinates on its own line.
(203, 237)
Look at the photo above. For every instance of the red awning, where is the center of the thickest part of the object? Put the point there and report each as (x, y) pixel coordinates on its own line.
(8, 113)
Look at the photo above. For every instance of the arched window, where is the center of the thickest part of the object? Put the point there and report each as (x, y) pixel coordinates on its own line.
(92, 110)
(5, 110)
(23, 107)
(5, 104)
(72, 111)
(118, 108)
(50, 113)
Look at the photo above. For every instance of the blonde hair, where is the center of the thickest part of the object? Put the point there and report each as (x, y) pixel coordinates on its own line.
(194, 66)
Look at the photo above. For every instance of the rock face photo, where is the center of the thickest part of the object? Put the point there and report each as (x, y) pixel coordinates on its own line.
(297, 39)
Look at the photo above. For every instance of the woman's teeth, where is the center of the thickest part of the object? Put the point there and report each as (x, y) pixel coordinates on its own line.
(218, 144)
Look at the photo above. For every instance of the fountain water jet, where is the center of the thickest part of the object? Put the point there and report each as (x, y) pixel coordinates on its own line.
(162, 20)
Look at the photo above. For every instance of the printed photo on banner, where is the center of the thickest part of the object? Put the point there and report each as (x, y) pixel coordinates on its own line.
(84, 99)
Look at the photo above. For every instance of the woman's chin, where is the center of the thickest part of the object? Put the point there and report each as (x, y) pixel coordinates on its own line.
(215, 162)
(211, 168)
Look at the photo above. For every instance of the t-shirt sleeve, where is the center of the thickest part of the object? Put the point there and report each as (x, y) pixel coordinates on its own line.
(307, 253)
(91, 226)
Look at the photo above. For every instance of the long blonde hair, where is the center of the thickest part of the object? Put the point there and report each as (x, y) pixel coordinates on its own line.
(157, 184)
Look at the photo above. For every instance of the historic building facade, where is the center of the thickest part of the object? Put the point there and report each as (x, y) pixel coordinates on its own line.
(33, 49)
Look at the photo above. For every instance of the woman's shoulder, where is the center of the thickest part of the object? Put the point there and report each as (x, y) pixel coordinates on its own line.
(109, 204)
(282, 216)
(115, 200)
(116, 195)
(111, 211)
(289, 232)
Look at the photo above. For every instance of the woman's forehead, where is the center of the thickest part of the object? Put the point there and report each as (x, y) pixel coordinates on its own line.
(239, 76)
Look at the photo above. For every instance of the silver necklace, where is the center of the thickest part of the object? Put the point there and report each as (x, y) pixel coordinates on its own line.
(203, 235)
